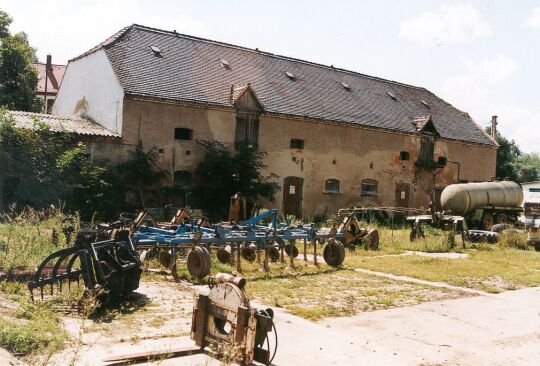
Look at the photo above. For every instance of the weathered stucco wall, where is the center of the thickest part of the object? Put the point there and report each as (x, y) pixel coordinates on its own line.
(90, 88)
(331, 151)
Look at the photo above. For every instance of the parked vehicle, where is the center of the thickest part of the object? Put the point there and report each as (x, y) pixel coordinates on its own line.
(484, 204)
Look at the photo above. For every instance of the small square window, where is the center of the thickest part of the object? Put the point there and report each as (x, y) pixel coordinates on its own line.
(297, 144)
(183, 134)
(404, 155)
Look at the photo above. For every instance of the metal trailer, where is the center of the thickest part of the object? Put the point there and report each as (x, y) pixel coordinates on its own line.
(484, 204)
(248, 240)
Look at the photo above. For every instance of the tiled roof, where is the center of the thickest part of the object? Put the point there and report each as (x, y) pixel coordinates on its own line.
(76, 125)
(190, 70)
(54, 80)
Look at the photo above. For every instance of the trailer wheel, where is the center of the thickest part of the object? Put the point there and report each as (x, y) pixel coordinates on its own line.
(334, 253)
(198, 262)
(502, 219)
(487, 221)
(537, 246)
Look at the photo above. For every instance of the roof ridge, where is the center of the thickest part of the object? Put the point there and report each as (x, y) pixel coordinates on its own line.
(110, 41)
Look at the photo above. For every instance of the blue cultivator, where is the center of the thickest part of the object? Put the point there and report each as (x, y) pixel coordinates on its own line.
(260, 238)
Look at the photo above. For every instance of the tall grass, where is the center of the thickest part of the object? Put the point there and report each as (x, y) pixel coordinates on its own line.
(28, 236)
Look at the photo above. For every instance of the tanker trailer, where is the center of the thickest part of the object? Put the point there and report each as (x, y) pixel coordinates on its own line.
(484, 204)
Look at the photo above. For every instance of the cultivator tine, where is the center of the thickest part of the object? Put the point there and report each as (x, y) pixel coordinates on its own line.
(46, 275)
(238, 256)
(265, 262)
(315, 252)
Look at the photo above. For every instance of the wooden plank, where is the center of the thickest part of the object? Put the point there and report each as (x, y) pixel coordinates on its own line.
(157, 354)
(200, 322)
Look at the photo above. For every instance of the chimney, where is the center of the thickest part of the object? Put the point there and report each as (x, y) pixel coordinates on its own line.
(48, 67)
(494, 127)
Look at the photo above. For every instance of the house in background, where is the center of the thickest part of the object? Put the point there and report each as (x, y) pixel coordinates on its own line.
(50, 78)
(335, 138)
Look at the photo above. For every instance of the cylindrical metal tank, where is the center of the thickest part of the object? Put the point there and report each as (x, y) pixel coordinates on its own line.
(462, 199)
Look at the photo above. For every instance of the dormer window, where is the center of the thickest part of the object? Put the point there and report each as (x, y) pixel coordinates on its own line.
(156, 51)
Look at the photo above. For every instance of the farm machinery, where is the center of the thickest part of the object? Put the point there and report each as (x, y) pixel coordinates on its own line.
(475, 210)
(110, 269)
(261, 238)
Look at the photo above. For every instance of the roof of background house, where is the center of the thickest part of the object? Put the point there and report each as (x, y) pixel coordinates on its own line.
(191, 69)
(54, 80)
(76, 125)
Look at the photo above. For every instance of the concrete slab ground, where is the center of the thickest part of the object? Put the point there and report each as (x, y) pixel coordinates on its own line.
(502, 329)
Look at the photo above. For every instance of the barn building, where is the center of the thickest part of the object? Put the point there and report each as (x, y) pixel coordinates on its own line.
(335, 138)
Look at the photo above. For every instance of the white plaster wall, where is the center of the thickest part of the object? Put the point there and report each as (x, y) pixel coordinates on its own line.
(529, 196)
(90, 88)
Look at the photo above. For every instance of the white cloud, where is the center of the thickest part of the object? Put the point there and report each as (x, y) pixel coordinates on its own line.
(534, 19)
(450, 24)
(52, 24)
(474, 91)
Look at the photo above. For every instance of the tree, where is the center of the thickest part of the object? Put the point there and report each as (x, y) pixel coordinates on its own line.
(222, 173)
(5, 21)
(43, 167)
(528, 166)
(141, 171)
(18, 77)
(512, 163)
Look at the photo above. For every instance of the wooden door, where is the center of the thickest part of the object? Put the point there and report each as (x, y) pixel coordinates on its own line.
(292, 196)
(403, 193)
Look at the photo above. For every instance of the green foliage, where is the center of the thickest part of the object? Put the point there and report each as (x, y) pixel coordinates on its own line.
(18, 77)
(512, 163)
(222, 173)
(528, 166)
(5, 21)
(27, 237)
(141, 171)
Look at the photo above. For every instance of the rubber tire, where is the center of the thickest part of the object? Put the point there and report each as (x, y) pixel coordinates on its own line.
(499, 228)
(502, 219)
(334, 253)
(198, 262)
(537, 246)
(487, 221)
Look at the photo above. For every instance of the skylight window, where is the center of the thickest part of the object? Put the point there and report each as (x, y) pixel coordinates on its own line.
(346, 86)
(157, 52)
(225, 63)
(425, 104)
(392, 96)
(290, 75)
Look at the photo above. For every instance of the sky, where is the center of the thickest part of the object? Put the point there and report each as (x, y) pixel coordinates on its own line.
(483, 57)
